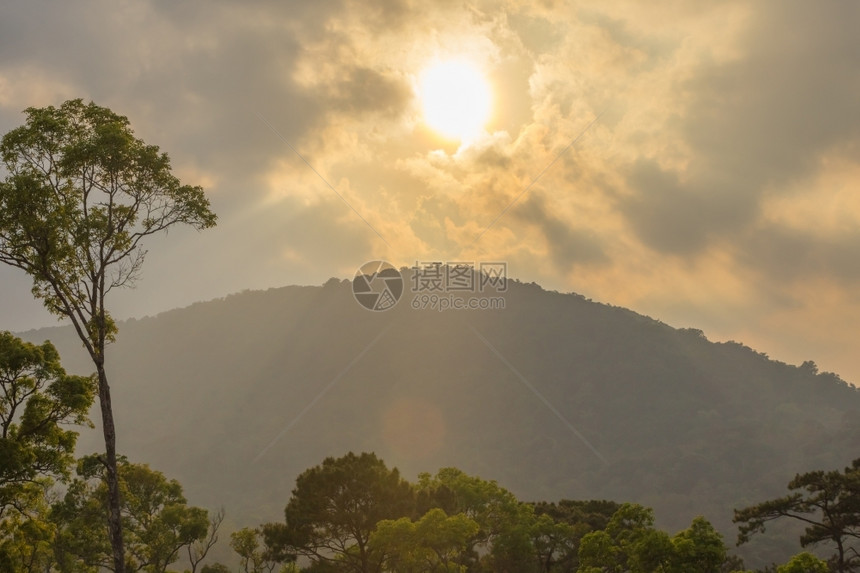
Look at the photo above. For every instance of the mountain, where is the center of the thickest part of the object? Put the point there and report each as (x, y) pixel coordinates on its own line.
(555, 396)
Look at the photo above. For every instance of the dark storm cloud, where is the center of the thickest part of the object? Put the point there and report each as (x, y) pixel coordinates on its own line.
(753, 125)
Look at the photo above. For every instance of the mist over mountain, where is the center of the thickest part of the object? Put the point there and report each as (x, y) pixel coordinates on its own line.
(555, 396)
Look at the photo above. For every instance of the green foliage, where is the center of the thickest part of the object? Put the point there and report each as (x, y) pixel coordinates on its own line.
(706, 425)
(467, 524)
(38, 398)
(433, 544)
(26, 533)
(700, 548)
(157, 520)
(593, 514)
(215, 568)
(254, 554)
(81, 194)
(561, 527)
(335, 507)
(554, 544)
(630, 543)
(827, 502)
(504, 540)
(490, 505)
(804, 563)
(199, 549)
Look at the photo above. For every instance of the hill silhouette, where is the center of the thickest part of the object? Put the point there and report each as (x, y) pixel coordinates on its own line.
(555, 396)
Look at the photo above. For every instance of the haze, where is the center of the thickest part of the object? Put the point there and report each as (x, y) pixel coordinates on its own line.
(717, 189)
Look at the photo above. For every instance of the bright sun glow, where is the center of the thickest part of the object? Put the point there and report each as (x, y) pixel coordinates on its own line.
(456, 99)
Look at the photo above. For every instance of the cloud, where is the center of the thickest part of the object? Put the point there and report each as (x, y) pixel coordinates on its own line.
(682, 218)
(788, 256)
(716, 190)
(567, 246)
(752, 126)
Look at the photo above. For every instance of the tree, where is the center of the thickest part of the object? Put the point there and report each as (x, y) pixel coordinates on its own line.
(334, 508)
(81, 196)
(804, 563)
(433, 544)
(26, 532)
(636, 545)
(598, 554)
(512, 535)
(554, 543)
(157, 520)
(557, 541)
(254, 553)
(38, 398)
(827, 502)
(630, 543)
(699, 548)
(591, 514)
(496, 510)
(198, 550)
(215, 568)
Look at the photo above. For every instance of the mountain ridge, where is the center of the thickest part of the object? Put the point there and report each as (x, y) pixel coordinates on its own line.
(556, 396)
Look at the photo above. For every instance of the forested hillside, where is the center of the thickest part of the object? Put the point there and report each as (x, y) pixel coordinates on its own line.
(556, 397)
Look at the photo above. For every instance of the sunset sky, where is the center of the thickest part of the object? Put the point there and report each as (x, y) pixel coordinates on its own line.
(697, 162)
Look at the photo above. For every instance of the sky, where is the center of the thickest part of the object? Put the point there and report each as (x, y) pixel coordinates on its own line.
(697, 162)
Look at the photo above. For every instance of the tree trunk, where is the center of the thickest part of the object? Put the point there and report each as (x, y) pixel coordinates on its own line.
(114, 515)
(841, 552)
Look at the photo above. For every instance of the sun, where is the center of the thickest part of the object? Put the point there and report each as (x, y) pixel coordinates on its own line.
(456, 99)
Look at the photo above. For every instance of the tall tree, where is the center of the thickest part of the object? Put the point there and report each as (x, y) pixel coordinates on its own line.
(828, 502)
(81, 195)
(335, 507)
